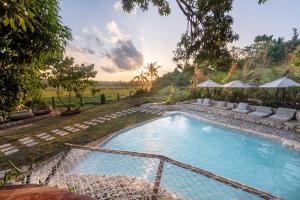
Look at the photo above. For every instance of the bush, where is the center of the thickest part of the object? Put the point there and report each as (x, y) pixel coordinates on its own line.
(140, 91)
(102, 98)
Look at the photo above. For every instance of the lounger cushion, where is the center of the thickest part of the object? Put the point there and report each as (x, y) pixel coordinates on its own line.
(240, 111)
(229, 105)
(284, 114)
(222, 105)
(286, 111)
(281, 117)
(259, 114)
(243, 106)
(264, 109)
(206, 101)
(199, 101)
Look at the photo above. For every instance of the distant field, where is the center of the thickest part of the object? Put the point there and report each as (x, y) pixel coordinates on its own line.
(111, 93)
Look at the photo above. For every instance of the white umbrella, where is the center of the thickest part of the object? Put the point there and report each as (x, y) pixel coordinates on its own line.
(209, 84)
(237, 84)
(283, 82)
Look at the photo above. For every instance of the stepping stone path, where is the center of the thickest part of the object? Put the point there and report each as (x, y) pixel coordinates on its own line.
(71, 129)
(97, 120)
(8, 149)
(59, 132)
(27, 141)
(45, 136)
(81, 126)
(102, 118)
(90, 123)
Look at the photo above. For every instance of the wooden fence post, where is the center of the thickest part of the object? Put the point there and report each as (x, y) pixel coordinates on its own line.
(53, 103)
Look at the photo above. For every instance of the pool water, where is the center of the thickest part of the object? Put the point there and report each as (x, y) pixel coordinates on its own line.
(252, 160)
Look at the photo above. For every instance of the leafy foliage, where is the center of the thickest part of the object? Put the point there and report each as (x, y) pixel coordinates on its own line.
(73, 78)
(31, 33)
(152, 72)
(141, 79)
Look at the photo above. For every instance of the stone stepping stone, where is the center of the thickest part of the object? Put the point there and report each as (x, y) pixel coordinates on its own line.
(97, 120)
(108, 116)
(90, 123)
(45, 136)
(8, 149)
(102, 118)
(27, 141)
(59, 132)
(121, 114)
(71, 129)
(81, 126)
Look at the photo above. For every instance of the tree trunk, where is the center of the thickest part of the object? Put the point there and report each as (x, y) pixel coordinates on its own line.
(69, 105)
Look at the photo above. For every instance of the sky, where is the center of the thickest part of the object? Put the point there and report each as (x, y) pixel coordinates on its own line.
(120, 44)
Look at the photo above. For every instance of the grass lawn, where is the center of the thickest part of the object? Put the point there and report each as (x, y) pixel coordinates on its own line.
(111, 92)
(46, 149)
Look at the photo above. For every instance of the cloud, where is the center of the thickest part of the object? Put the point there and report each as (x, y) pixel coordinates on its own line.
(115, 33)
(125, 57)
(118, 6)
(75, 48)
(112, 50)
(109, 69)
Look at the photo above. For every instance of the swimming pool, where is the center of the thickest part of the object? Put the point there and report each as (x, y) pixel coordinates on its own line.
(249, 159)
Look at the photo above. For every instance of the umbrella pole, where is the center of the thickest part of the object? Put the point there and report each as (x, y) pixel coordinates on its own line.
(282, 96)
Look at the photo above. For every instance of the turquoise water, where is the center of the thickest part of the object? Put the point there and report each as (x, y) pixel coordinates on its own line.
(252, 160)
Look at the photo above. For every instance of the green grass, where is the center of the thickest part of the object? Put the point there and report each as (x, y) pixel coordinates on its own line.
(44, 150)
(111, 92)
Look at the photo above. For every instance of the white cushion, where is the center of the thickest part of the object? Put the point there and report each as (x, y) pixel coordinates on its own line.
(242, 106)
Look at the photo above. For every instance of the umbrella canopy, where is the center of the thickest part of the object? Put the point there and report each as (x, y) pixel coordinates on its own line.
(209, 84)
(237, 84)
(283, 82)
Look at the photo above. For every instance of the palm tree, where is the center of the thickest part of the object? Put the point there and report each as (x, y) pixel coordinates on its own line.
(152, 72)
(141, 78)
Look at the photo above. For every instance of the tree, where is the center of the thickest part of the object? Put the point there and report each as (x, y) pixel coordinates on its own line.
(295, 63)
(141, 78)
(73, 78)
(152, 72)
(31, 33)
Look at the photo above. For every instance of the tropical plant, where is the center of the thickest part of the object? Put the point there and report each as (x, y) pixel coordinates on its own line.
(73, 78)
(172, 97)
(31, 32)
(141, 79)
(295, 63)
(152, 72)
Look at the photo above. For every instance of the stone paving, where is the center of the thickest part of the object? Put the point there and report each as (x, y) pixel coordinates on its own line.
(98, 121)
(90, 123)
(71, 129)
(8, 148)
(81, 126)
(59, 132)
(27, 141)
(45, 136)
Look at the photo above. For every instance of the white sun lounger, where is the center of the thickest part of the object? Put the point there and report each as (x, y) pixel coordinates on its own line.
(206, 102)
(261, 112)
(284, 114)
(199, 101)
(222, 105)
(242, 108)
